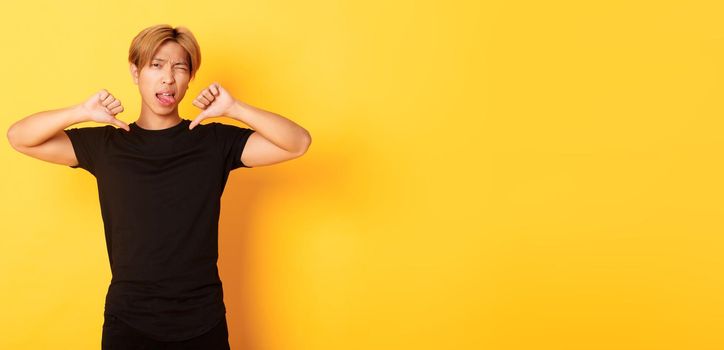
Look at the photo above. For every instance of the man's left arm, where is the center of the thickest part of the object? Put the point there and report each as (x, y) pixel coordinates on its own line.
(276, 138)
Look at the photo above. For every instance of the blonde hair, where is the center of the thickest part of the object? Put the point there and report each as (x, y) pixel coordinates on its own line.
(146, 42)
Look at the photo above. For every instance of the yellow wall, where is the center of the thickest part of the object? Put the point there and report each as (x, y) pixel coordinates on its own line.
(507, 175)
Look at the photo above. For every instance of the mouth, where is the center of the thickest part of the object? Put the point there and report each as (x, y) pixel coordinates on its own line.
(166, 98)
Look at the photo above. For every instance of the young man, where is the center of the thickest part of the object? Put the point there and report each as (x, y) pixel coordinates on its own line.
(160, 181)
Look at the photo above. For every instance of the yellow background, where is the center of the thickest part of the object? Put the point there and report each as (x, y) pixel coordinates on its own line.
(499, 175)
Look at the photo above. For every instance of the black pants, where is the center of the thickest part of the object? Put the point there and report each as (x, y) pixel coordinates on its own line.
(117, 335)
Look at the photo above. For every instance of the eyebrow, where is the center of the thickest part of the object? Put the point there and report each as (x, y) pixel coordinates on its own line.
(161, 59)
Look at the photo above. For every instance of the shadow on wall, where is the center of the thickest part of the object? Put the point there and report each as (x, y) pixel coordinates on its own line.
(242, 263)
(242, 247)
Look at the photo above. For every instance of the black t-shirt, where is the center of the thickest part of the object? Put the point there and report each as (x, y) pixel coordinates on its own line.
(160, 198)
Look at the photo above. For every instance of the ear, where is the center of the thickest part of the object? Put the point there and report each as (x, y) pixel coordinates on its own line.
(134, 73)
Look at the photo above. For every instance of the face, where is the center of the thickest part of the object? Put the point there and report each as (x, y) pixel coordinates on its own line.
(168, 71)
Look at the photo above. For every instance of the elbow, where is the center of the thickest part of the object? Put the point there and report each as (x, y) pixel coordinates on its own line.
(302, 145)
(11, 137)
(307, 141)
(15, 143)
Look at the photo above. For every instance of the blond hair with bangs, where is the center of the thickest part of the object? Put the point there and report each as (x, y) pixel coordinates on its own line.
(146, 42)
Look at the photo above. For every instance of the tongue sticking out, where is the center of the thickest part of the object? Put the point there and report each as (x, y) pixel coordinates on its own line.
(165, 99)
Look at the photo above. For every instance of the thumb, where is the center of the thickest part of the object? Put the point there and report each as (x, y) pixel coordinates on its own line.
(120, 124)
(197, 120)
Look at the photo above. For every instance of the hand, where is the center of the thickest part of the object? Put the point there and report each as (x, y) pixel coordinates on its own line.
(215, 101)
(102, 107)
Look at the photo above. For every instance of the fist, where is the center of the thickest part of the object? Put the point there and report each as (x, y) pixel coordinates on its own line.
(102, 107)
(215, 101)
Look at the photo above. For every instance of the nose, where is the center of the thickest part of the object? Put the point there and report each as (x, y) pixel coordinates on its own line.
(168, 76)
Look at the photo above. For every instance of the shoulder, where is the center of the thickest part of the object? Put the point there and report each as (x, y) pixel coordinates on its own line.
(92, 131)
(222, 129)
(96, 129)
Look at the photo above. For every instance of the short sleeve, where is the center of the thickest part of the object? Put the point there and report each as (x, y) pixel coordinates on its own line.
(88, 144)
(231, 140)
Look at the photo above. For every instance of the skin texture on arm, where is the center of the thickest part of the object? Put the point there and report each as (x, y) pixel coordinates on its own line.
(276, 139)
(41, 136)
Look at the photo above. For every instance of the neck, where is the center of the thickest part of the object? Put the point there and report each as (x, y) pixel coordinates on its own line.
(151, 120)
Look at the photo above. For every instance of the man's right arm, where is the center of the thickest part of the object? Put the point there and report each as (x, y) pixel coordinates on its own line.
(41, 135)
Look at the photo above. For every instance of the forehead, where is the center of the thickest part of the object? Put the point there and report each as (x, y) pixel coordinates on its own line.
(172, 51)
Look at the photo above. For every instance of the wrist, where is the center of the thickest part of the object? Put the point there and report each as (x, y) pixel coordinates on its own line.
(237, 110)
(78, 114)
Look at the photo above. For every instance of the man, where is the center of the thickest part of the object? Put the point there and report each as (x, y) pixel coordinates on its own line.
(160, 181)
